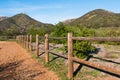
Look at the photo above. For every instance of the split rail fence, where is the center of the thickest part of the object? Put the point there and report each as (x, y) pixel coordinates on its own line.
(5, 38)
(26, 41)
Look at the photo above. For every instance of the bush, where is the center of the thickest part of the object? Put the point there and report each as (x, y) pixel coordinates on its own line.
(82, 49)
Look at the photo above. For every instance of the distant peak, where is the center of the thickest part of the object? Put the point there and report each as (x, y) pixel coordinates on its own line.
(3, 17)
(101, 10)
(21, 14)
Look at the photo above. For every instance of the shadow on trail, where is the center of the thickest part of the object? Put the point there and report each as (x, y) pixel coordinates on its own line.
(12, 71)
(7, 70)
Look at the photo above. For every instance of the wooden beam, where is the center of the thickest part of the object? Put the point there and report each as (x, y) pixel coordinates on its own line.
(70, 55)
(30, 43)
(114, 39)
(46, 48)
(37, 45)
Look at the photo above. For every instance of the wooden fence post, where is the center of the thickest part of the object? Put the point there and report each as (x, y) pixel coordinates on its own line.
(70, 55)
(22, 40)
(24, 37)
(17, 38)
(37, 45)
(30, 43)
(46, 48)
(27, 42)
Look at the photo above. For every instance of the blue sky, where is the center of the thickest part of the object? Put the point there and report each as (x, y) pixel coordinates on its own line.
(53, 11)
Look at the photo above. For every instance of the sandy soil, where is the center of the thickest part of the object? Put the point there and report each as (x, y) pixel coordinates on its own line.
(17, 64)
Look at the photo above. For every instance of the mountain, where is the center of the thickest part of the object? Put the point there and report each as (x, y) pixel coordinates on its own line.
(98, 18)
(68, 21)
(20, 23)
(3, 17)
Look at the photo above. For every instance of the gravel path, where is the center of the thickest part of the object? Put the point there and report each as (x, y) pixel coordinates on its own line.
(17, 64)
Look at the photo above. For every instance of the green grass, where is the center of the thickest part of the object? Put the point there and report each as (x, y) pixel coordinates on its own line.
(58, 66)
(82, 75)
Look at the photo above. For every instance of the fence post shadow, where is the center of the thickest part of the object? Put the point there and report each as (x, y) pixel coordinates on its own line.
(80, 66)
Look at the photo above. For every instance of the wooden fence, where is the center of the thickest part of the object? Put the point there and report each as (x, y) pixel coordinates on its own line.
(5, 38)
(26, 41)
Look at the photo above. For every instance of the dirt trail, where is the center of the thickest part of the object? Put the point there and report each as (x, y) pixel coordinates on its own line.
(17, 64)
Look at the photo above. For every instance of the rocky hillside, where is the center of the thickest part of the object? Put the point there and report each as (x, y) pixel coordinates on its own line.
(20, 23)
(98, 18)
(68, 21)
(3, 17)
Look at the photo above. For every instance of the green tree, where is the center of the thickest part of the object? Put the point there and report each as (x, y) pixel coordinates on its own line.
(80, 48)
(34, 31)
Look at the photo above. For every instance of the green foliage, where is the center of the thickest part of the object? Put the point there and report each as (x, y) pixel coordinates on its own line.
(82, 49)
(57, 66)
(34, 31)
(60, 30)
(11, 31)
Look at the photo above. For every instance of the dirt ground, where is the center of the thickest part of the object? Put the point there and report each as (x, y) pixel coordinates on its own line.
(17, 64)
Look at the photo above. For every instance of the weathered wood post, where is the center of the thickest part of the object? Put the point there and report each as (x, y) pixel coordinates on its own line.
(30, 43)
(22, 40)
(17, 38)
(37, 45)
(46, 48)
(24, 37)
(70, 55)
(27, 42)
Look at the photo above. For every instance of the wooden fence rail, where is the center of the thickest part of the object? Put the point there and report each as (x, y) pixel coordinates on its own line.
(28, 41)
(114, 39)
(7, 37)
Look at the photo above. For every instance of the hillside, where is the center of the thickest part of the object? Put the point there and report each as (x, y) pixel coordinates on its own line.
(98, 18)
(3, 17)
(68, 21)
(20, 23)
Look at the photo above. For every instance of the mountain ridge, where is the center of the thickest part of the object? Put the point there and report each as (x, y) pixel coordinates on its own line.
(97, 18)
(21, 22)
(3, 17)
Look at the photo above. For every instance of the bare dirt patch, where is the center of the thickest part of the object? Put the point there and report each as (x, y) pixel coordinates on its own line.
(17, 64)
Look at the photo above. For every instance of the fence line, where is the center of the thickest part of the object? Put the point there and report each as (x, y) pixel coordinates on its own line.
(114, 39)
(7, 37)
(28, 41)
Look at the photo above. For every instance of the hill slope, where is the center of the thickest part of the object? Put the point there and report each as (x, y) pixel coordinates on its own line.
(3, 17)
(20, 23)
(98, 18)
